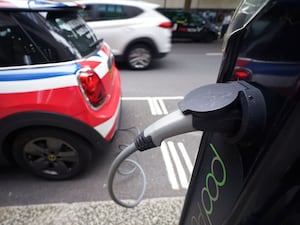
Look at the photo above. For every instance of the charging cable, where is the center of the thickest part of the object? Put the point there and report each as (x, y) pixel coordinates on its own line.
(168, 126)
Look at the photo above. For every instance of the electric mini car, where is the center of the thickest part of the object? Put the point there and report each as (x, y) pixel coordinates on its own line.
(60, 90)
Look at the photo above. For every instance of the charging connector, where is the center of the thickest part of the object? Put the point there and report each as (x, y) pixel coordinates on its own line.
(173, 124)
(236, 109)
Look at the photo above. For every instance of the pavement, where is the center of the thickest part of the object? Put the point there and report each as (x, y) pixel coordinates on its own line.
(155, 211)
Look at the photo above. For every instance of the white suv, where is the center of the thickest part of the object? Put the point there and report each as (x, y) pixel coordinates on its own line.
(135, 30)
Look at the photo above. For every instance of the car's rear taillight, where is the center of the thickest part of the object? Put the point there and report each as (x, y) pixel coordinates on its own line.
(92, 87)
(165, 25)
(241, 72)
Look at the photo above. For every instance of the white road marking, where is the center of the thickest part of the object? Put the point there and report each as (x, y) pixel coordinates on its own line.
(146, 98)
(156, 104)
(186, 157)
(214, 53)
(169, 166)
(174, 165)
(162, 106)
(157, 109)
(179, 167)
(178, 172)
(152, 106)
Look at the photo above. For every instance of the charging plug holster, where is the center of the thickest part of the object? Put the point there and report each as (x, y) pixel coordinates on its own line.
(236, 109)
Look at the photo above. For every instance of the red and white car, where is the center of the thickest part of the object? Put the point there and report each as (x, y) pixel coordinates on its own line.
(60, 90)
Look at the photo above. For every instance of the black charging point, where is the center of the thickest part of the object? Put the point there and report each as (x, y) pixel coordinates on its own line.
(236, 109)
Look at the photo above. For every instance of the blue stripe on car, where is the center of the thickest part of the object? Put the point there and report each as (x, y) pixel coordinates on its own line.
(277, 69)
(38, 72)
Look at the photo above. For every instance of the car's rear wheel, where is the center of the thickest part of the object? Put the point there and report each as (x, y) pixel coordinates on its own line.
(51, 153)
(139, 57)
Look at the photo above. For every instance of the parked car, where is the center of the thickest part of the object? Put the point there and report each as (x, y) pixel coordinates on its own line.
(60, 90)
(136, 32)
(191, 25)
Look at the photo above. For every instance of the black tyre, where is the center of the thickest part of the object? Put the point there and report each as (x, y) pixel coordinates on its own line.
(139, 57)
(51, 153)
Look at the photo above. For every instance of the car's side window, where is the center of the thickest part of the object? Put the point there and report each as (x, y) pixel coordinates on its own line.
(108, 12)
(131, 11)
(180, 18)
(15, 47)
(197, 19)
(98, 12)
(93, 12)
(89, 13)
(112, 12)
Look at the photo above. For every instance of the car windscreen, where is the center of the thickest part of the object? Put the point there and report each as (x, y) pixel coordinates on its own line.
(75, 31)
(244, 13)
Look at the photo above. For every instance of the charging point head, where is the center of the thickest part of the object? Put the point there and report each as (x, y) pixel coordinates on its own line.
(236, 109)
(209, 99)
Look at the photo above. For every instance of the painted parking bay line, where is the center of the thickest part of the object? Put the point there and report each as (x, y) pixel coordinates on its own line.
(156, 104)
(186, 157)
(169, 166)
(176, 159)
(214, 54)
(178, 166)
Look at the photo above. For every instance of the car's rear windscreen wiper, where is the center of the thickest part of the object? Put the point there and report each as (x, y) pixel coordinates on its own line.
(99, 41)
